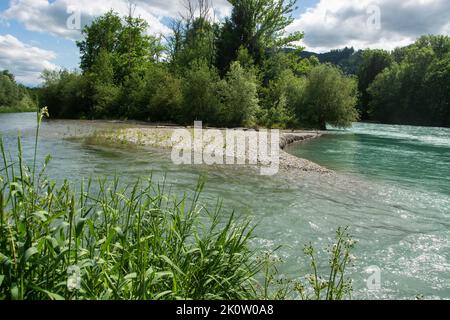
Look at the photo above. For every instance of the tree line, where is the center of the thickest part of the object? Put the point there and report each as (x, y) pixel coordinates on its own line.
(14, 97)
(410, 85)
(243, 71)
(231, 73)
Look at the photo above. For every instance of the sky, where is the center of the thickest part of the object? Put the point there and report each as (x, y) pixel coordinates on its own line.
(41, 34)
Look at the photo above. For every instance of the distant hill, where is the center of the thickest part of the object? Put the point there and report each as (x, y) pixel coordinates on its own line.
(347, 58)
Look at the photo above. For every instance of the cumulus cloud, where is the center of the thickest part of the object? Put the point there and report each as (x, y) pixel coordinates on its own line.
(26, 62)
(52, 17)
(371, 23)
(60, 18)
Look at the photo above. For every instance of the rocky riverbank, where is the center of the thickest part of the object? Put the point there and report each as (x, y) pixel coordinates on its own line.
(161, 137)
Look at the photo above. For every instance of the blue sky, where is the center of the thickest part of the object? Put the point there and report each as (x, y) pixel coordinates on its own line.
(65, 49)
(34, 35)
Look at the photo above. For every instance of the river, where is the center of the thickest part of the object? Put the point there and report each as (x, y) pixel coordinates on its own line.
(391, 187)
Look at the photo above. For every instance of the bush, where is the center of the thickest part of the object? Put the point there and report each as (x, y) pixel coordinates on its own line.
(240, 97)
(106, 100)
(280, 98)
(162, 95)
(329, 97)
(14, 97)
(66, 94)
(201, 98)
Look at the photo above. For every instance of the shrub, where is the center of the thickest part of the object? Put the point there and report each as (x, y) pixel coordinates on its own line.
(65, 94)
(240, 97)
(201, 99)
(279, 101)
(329, 97)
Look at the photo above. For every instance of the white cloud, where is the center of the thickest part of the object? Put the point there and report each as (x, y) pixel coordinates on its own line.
(24, 61)
(51, 17)
(27, 61)
(336, 23)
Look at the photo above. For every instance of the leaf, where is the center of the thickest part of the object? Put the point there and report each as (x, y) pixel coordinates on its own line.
(40, 215)
(30, 252)
(52, 241)
(4, 260)
(162, 294)
(79, 226)
(15, 292)
(173, 265)
(53, 296)
(2, 277)
(131, 276)
(160, 275)
(118, 231)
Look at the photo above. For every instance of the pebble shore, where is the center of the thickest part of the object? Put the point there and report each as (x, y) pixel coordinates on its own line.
(160, 137)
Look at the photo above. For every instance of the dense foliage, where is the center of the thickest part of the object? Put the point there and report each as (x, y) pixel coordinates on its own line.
(374, 62)
(14, 97)
(233, 73)
(347, 59)
(411, 85)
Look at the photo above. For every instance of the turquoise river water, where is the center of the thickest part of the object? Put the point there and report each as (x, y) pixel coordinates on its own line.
(391, 187)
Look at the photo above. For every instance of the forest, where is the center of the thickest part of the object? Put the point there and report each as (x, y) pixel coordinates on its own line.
(410, 85)
(14, 97)
(233, 73)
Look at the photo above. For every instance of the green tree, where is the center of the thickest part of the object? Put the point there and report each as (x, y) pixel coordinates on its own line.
(193, 36)
(437, 82)
(126, 42)
(103, 93)
(414, 89)
(373, 63)
(14, 97)
(201, 94)
(277, 63)
(101, 35)
(329, 97)
(385, 92)
(240, 97)
(136, 49)
(279, 100)
(157, 96)
(195, 41)
(256, 25)
(66, 94)
(9, 75)
(9, 92)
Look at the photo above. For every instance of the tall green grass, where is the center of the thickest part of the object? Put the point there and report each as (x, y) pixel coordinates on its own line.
(108, 241)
